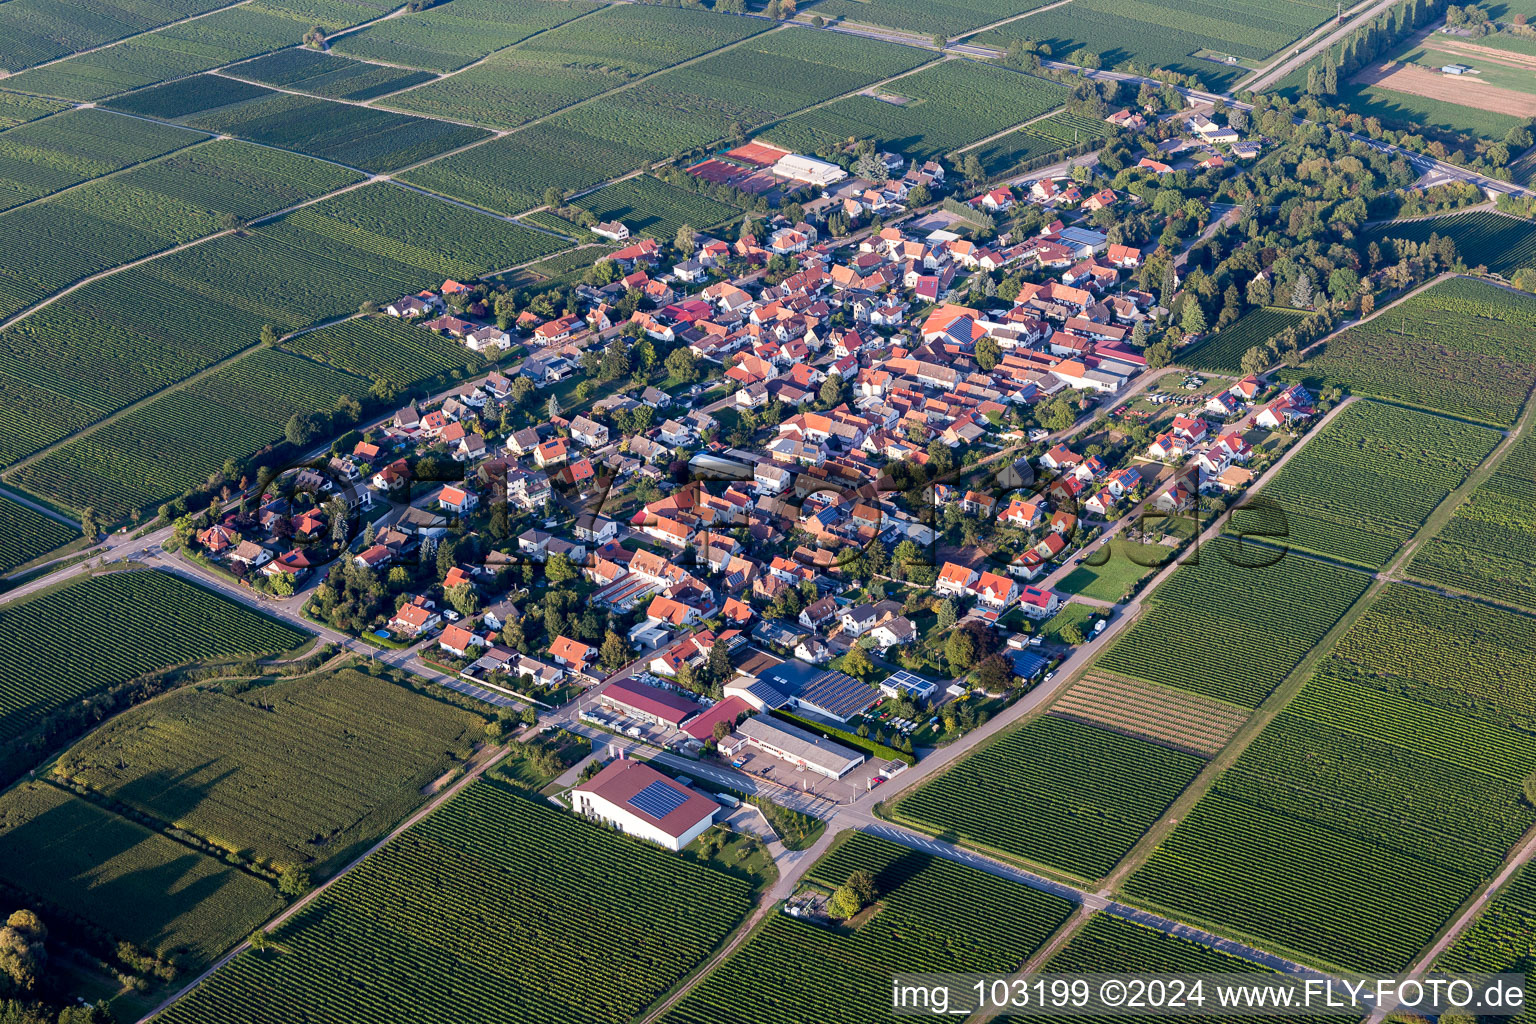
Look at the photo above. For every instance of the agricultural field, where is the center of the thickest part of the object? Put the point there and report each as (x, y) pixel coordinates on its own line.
(1054, 792)
(792, 971)
(1053, 134)
(135, 885)
(927, 114)
(448, 36)
(1503, 939)
(17, 109)
(1489, 546)
(169, 444)
(1127, 565)
(588, 925)
(951, 17)
(325, 74)
(26, 534)
(358, 137)
(1234, 625)
(223, 37)
(190, 194)
(1388, 790)
(1173, 718)
(1463, 348)
(299, 772)
(125, 624)
(572, 260)
(1407, 91)
(1503, 244)
(382, 348)
(42, 157)
(33, 31)
(649, 206)
(1223, 351)
(575, 62)
(1364, 484)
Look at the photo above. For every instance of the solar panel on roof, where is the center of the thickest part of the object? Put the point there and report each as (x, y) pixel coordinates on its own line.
(658, 800)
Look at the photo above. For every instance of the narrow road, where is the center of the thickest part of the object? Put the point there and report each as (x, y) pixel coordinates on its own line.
(1280, 69)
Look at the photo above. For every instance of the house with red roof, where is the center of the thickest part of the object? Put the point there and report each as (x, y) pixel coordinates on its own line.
(645, 803)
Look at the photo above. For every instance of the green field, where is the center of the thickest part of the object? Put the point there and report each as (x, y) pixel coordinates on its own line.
(496, 907)
(325, 74)
(1113, 580)
(924, 17)
(1483, 238)
(252, 28)
(1365, 483)
(649, 206)
(1388, 790)
(299, 772)
(1407, 112)
(1489, 546)
(1223, 351)
(1054, 792)
(42, 157)
(32, 31)
(1049, 135)
(135, 885)
(448, 36)
(26, 534)
(17, 109)
(122, 625)
(1233, 632)
(1464, 348)
(1503, 939)
(926, 114)
(934, 915)
(189, 194)
(382, 348)
(575, 62)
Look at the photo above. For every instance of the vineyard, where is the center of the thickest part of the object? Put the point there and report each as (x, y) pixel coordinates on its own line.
(927, 17)
(1464, 348)
(133, 884)
(25, 534)
(1503, 939)
(187, 195)
(223, 37)
(493, 908)
(1054, 792)
(650, 206)
(1366, 482)
(934, 915)
(1172, 718)
(575, 62)
(325, 74)
(449, 36)
(1223, 351)
(1489, 546)
(159, 449)
(930, 113)
(1231, 631)
(1502, 244)
(17, 109)
(122, 625)
(1393, 784)
(1052, 134)
(45, 156)
(383, 348)
(298, 772)
(32, 31)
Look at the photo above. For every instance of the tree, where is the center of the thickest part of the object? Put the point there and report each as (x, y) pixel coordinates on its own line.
(1194, 316)
(282, 585)
(1255, 361)
(1071, 634)
(336, 510)
(315, 38)
(1301, 295)
(302, 428)
(719, 663)
(1258, 290)
(614, 653)
(88, 524)
(22, 952)
(856, 663)
(685, 240)
(960, 651)
(464, 599)
(682, 365)
(972, 169)
(293, 882)
(844, 902)
(553, 197)
(559, 568)
(831, 390)
(1525, 279)
(871, 168)
(863, 885)
(946, 616)
(994, 673)
(988, 354)
(552, 407)
(918, 195)
(269, 335)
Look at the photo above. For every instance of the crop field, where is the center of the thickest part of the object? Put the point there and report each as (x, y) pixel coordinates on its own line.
(571, 260)
(325, 74)
(1413, 99)
(1483, 238)
(1489, 546)
(1503, 939)
(792, 971)
(589, 925)
(1364, 484)
(18, 109)
(159, 449)
(136, 885)
(575, 62)
(1464, 348)
(1389, 789)
(189, 194)
(360, 137)
(1056, 792)
(32, 31)
(1173, 718)
(382, 348)
(938, 109)
(1223, 351)
(950, 17)
(297, 772)
(1230, 631)
(25, 534)
(41, 158)
(1050, 135)
(769, 76)
(449, 36)
(126, 624)
(253, 28)
(650, 206)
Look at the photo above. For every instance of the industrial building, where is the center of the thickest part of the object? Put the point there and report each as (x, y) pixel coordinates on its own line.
(799, 747)
(645, 803)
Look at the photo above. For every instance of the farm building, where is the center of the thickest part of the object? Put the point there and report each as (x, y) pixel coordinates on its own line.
(804, 168)
(645, 803)
(800, 748)
(649, 703)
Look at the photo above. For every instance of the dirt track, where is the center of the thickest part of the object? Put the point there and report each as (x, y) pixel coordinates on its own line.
(1466, 48)
(1462, 90)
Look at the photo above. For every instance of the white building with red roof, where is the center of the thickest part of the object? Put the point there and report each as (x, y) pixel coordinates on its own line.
(645, 803)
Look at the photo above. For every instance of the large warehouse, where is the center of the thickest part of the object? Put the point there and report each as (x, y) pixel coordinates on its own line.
(645, 803)
(649, 703)
(799, 747)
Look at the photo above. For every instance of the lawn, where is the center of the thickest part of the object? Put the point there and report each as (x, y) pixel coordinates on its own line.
(649, 206)
(1125, 564)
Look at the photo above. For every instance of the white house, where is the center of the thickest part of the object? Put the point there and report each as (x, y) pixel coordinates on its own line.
(645, 803)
